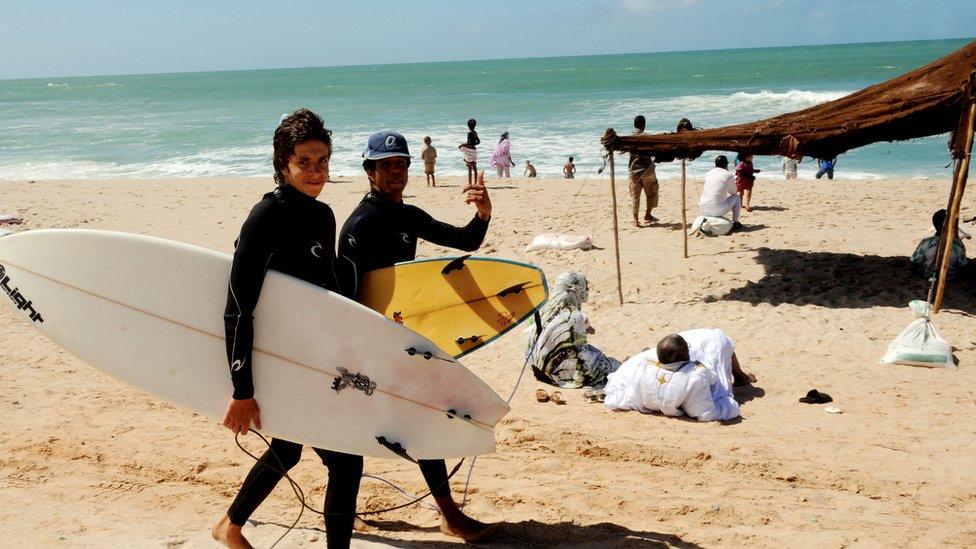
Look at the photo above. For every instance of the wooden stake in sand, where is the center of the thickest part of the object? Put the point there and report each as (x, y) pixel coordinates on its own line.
(616, 237)
(684, 215)
(955, 197)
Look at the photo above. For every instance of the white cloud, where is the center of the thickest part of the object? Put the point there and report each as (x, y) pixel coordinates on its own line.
(644, 6)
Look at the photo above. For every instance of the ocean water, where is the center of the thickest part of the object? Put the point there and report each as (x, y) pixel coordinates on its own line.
(220, 124)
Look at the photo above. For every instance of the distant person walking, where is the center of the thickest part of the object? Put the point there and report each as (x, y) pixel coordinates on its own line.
(642, 179)
(745, 178)
(826, 166)
(471, 155)
(789, 167)
(429, 156)
(529, 170)
(501, 158)
(569, 170)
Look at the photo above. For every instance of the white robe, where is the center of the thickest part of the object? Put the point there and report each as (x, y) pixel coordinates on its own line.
(702, 388)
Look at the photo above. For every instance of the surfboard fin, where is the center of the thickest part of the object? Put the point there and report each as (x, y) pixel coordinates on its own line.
(456, 264)
(513, 289)
(396, 448)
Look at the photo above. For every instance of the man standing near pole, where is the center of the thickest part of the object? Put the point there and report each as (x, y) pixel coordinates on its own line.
(642, 178)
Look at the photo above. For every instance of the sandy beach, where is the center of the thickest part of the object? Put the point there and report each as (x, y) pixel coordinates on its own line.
(811, 292)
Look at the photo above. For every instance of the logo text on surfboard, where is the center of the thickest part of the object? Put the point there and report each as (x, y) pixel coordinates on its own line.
(18, 298)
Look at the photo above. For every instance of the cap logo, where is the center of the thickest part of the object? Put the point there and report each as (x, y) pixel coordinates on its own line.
(390, 141)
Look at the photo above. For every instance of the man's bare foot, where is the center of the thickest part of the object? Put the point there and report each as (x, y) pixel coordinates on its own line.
(229, 534)
(466, 528)
(742, 379)
(637, 223)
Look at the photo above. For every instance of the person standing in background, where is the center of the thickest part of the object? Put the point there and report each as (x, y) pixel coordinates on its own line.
(569, 170)
(471, 155)
(642, 179)
(429, 155)
(745, 178)
(789, 167)
(501, 157)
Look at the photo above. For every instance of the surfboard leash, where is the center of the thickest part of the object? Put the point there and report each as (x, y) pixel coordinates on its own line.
(300, 494)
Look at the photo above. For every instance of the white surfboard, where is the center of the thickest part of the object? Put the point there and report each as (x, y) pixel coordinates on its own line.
(149, 312)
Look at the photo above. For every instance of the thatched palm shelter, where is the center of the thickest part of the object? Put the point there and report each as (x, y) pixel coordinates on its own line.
(937, 98)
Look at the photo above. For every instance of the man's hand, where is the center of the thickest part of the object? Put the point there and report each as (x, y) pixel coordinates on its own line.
(241, 413)
(478, 194)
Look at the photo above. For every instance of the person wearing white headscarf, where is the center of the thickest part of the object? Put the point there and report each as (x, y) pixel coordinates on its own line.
(693, 377)
(558, 352)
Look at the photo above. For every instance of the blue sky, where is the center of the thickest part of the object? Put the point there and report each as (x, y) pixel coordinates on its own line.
(98, 37)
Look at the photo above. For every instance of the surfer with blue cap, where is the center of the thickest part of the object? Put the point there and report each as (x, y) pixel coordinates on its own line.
(291, 232)
(383, 231)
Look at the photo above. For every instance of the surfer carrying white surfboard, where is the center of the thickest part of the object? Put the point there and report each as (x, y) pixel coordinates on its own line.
(383, 231)
(291, 232)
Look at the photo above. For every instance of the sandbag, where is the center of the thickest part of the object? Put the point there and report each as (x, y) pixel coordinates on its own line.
(920, 343)
(551, 241)
(711, 226)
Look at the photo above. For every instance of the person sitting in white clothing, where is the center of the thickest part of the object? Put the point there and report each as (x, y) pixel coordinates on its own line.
(719, 195)
(691, 373)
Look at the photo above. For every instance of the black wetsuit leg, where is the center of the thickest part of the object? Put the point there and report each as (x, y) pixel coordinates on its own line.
(435, 473)
(345, 474)
(264, 476)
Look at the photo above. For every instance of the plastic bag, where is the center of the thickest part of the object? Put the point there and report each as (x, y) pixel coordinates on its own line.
(920, 343)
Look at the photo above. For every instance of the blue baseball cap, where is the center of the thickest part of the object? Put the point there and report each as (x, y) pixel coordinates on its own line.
(386, 144)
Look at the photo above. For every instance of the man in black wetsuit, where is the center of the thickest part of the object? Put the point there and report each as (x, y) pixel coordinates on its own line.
(291, 232)
(382, 231)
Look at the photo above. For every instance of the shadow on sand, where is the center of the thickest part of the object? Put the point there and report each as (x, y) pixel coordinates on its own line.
(843, 281)
(529, 533)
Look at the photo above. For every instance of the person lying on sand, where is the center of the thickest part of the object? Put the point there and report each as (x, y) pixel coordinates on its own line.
(691, 373)
(558, 352)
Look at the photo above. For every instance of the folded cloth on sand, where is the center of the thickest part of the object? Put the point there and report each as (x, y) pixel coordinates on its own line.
(700, 388)
(551, 241)
(711, 226)
(10, 219)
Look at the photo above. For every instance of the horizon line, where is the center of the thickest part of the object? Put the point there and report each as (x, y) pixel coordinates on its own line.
(353, 65)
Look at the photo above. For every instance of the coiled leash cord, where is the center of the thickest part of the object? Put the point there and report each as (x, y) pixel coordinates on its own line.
(300, 494)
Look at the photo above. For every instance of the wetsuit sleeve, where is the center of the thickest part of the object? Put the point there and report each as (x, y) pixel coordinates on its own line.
(351, 262)
(467, 238)
(251, 259)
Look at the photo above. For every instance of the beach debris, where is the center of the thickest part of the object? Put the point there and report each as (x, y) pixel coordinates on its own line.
(552, 241)
(833, 410)
(816, 397)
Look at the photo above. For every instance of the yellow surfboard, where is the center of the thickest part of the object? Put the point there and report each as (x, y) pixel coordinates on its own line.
(459, 303)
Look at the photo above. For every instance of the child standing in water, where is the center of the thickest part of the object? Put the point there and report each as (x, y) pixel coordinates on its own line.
(744, 179)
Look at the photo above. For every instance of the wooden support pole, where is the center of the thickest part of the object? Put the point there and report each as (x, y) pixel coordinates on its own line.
(684, 215)
(955, 200)
(616, 232)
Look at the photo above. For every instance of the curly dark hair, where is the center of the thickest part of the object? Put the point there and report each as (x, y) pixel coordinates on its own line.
(298, 127)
